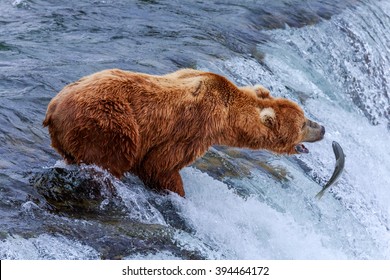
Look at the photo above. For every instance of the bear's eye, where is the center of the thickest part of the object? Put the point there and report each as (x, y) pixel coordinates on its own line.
(304, 124)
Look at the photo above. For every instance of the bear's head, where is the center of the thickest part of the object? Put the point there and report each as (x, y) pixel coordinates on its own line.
(276, 124)
(287, 126)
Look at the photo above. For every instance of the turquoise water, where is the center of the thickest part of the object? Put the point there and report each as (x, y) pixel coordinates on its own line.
(332, 58)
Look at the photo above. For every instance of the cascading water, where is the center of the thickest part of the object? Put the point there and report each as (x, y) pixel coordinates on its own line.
(240, 204)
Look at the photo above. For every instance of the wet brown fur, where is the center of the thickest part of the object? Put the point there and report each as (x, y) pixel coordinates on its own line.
(153, 126)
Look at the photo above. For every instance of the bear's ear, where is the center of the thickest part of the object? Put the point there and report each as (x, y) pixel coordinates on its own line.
(262, 92)
(267, 116)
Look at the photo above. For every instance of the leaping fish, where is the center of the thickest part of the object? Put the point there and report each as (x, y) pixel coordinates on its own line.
(339, 167)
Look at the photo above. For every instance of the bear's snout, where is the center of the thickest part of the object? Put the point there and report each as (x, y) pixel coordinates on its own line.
(322, 131)
(313, 131)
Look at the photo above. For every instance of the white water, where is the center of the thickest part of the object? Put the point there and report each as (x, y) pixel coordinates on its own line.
(45, 247)
(322, 63)
(248, 228)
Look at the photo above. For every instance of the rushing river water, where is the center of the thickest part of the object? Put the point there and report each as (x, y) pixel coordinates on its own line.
(332, 58)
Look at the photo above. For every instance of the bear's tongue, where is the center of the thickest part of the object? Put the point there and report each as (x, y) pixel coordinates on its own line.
(301, 149)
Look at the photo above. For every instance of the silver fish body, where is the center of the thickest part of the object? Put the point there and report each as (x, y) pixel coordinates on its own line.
(339, 167)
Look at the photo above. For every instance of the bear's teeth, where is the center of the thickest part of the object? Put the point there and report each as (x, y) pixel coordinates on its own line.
(301, 149)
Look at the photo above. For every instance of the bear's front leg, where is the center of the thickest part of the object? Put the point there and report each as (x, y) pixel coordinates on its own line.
(173, 183)
(161, 181)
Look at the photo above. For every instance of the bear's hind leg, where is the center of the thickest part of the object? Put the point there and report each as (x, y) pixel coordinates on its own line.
(113, 151)
(56, 144)
(106, 134)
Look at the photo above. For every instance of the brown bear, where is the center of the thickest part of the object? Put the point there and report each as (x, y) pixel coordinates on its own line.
(153, 126)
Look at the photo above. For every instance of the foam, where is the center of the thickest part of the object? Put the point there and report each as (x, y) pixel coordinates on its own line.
(44, 247)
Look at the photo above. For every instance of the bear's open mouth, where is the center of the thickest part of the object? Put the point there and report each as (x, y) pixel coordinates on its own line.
(301, 149)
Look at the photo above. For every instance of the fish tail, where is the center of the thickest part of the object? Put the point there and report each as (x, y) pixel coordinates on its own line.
(320, 194)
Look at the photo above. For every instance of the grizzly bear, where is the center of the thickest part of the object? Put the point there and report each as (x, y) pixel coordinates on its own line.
(153, 126)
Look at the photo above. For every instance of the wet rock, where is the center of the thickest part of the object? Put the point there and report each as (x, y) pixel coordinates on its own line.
(3, 235)
(220, 167)
(77, 190)
(120, 238)
(85, 206)
(224, 162)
